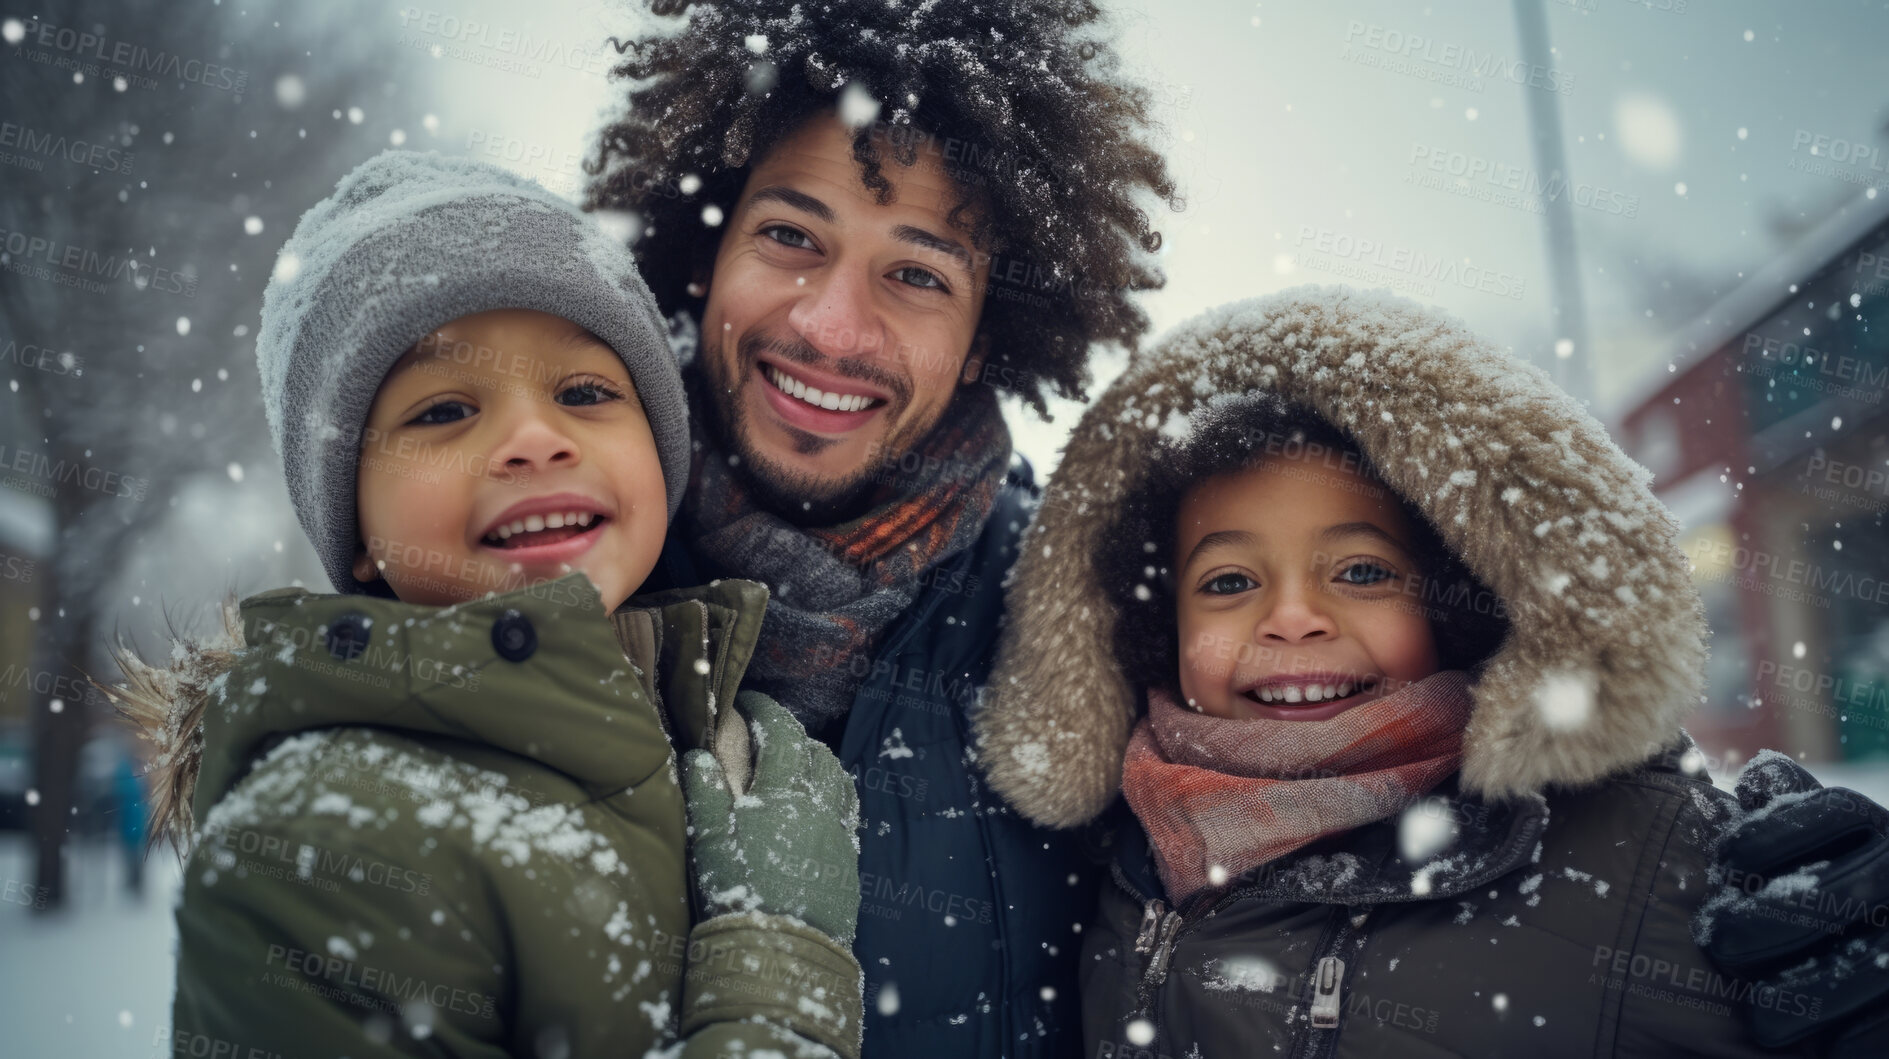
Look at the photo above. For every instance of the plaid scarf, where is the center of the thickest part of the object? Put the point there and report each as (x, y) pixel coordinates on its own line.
(1232, 795)
(836, 589)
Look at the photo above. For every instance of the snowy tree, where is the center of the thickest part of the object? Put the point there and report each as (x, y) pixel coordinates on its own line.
(161, 153)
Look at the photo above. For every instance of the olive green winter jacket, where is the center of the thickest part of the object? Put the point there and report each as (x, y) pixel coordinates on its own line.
(458, 831)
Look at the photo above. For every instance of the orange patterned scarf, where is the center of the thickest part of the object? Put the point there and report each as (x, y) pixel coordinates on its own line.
(1233, 795)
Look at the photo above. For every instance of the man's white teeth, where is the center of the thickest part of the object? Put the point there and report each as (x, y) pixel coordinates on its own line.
(1306, 693)
(832, 402)
(534, 523)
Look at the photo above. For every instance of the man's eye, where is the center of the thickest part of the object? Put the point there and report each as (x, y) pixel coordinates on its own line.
(443, 412)
(1364, 574)
(920, 277)
(1227, 584)
(587, 393)
(786, 236)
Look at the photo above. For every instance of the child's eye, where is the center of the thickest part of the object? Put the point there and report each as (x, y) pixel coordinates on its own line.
(1364, 573)
(1227, 584)
(587, 393)
(442, 413)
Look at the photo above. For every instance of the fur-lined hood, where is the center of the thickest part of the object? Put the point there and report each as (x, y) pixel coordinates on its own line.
(1607, 646)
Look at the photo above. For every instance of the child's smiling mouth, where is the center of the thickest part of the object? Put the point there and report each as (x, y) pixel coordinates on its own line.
(548, 529)
(535, 532)
(1309, 696)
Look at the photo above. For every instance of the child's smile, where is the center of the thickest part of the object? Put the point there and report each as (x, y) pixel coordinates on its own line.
(547, 529)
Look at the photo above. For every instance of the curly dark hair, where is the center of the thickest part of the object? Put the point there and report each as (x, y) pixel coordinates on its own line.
(1134, 556)
(1026, 99)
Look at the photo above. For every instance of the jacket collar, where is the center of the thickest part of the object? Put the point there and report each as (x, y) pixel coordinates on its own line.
(464, 672)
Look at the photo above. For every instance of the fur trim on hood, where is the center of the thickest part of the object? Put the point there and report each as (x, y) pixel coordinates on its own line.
(1607, 646)
(164, 704)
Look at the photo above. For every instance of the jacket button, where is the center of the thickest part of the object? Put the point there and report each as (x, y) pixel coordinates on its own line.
(513, 637)
(347, 635)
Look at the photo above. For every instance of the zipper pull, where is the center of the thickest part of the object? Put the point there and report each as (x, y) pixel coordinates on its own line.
(1327, 986)
(1156, 941)
(1164, 947)
(1150, 922)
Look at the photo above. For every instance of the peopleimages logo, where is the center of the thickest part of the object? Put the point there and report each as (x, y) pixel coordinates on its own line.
(1507, 184)
(1850, 161)
(29, 142)
(1445, 62)
(68, 47)
(83, 267)
(1428, 272)
(497, 46)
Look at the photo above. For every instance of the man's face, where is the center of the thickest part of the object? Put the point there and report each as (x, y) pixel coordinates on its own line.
(836, 329)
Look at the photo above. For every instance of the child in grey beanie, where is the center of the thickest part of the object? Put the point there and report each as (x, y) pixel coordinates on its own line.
(440, 813)
(464, 273)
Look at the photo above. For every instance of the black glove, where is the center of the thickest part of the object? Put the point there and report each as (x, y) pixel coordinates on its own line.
(1803, 908)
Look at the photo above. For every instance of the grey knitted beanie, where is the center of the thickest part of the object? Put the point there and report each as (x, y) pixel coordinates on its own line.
(406, 243)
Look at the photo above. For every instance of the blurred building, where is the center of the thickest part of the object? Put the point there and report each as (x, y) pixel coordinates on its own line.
(1768, 438)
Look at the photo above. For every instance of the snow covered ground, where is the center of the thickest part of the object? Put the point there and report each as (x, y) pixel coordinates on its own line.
(93, 982)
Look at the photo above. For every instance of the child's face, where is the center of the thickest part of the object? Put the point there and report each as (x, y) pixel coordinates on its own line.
(1293, 592)
(507, 448)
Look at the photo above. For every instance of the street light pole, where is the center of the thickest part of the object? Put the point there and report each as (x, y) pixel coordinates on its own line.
(1571, 359)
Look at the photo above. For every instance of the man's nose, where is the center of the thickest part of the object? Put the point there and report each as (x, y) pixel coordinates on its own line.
(835, 313)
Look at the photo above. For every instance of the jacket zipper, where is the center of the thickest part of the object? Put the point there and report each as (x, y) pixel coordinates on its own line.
(1328, 987)
(1159, 925)
(1161, 929)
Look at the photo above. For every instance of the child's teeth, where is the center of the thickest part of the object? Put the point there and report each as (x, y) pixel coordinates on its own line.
(583, 518)
(534, 523)
(1293, 694)
(504, 532)
(554, 521)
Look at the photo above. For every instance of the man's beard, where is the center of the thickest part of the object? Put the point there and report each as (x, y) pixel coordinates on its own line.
(798, 496)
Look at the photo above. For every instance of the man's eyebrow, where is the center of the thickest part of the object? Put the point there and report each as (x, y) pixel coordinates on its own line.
(906, 233)
(1216, 539)
(1368, 529)
(794, 199)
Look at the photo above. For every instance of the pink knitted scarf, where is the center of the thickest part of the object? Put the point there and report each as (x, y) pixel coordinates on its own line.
(1234, 794)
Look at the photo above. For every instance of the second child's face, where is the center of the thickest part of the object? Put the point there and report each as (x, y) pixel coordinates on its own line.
(504, 449)
(1294, 593)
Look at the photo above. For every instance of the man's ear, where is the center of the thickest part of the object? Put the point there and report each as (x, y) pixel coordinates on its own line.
(974, 364)
(701, 271)
(365, 569)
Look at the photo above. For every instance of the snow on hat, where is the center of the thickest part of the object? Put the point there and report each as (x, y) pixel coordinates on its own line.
(409, 242)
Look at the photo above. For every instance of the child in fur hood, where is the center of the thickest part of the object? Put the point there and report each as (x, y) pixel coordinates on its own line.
(438, 813)
(1414, 639)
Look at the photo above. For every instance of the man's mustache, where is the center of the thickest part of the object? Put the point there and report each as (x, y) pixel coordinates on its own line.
(798, 350)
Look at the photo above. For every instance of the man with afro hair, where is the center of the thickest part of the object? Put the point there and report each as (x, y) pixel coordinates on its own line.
(866, 220)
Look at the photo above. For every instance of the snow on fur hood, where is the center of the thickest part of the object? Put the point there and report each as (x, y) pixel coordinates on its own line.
(1607, 645)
